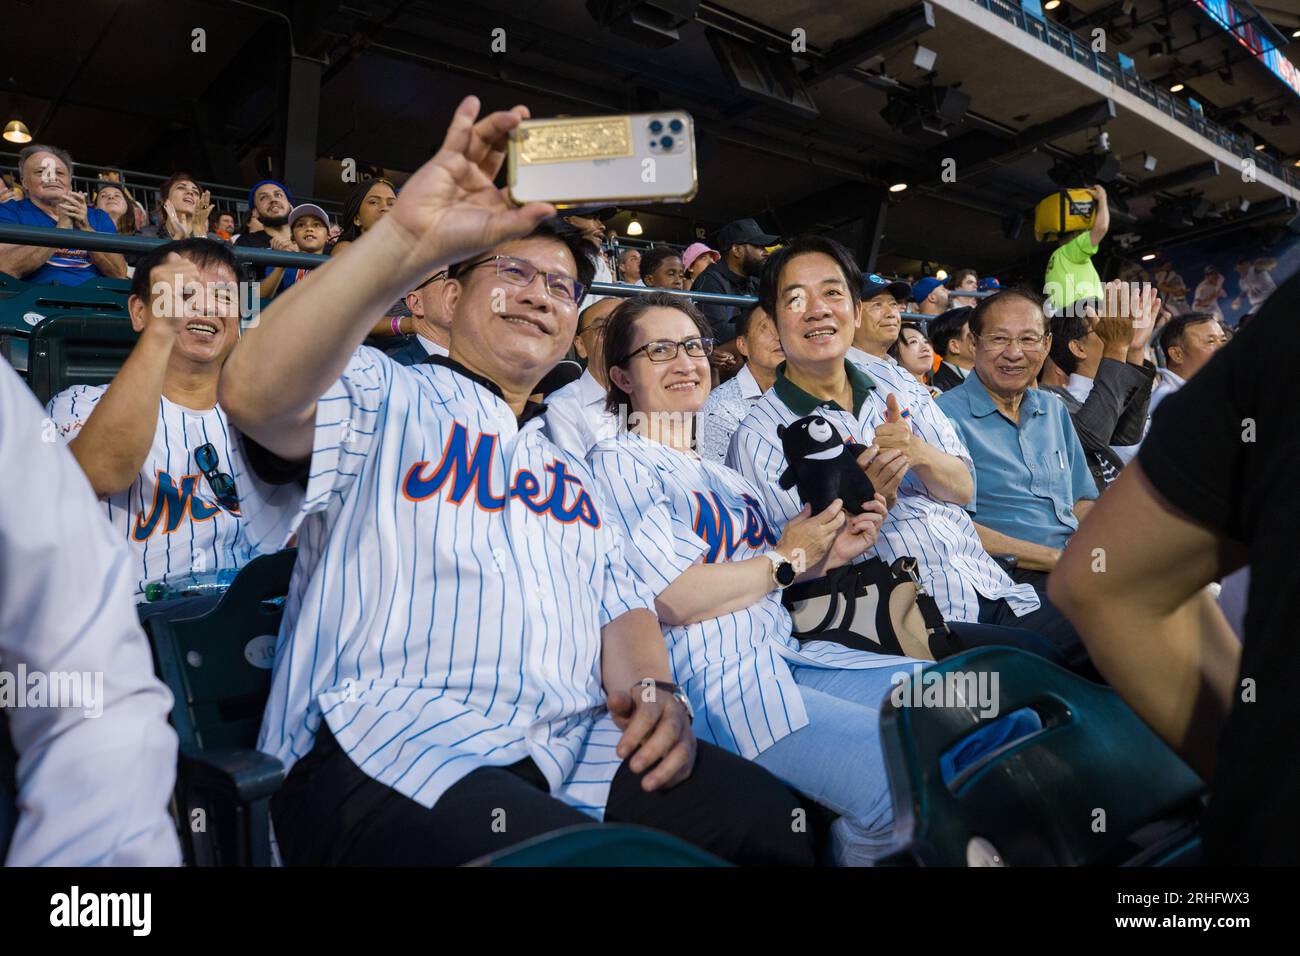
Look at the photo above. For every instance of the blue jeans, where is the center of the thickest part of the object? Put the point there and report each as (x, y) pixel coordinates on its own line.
(837, 759)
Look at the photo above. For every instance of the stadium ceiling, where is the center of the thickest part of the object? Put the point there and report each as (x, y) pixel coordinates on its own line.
(806, 139)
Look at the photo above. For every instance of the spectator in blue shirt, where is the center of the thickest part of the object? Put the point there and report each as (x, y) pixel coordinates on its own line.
(1032, 483)
(47, 179)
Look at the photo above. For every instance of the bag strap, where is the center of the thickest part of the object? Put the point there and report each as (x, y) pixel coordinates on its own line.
(943, 643)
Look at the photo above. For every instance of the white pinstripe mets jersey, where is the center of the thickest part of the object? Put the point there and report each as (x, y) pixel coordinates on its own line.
(453, 576)
(169, 517)
(954, 566)
(677, 511)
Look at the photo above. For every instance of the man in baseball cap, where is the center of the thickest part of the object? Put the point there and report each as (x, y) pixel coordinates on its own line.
(590, 221)
(930, 296)
(880, 318)
(743, 247)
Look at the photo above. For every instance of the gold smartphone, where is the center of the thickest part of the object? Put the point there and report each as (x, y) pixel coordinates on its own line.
(625, 160)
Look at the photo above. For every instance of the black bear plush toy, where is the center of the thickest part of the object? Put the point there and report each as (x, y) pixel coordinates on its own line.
(822, 466)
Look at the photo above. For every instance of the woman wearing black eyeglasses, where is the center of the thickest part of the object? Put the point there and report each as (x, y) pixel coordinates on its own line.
(697, 533)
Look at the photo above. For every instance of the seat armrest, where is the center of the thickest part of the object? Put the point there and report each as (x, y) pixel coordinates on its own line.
(244, 775)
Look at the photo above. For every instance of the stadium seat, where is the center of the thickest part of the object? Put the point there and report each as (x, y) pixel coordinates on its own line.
(77, 350)
(218, 667)
(1095, 786)
(602, 845)
(118, 286)
(25, 305)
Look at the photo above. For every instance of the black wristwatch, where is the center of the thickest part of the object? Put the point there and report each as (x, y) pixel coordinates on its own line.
(783, 573)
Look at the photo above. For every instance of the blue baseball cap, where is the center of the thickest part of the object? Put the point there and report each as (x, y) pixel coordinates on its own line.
(990, 282)
(921, 291)
(274, 182)
(873, 285)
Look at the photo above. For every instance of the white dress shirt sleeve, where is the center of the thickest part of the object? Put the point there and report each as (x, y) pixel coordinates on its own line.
(94, 778)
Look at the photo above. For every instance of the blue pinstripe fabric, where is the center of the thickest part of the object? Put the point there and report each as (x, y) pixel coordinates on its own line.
(195, 544)
(734, 667)
(953, 564)
(437, 637)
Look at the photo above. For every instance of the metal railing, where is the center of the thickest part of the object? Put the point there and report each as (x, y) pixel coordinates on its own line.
(1066, 43)
(111, 242)
(144, 188)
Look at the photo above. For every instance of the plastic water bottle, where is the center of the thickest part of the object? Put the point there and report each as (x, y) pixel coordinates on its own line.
(191, 585)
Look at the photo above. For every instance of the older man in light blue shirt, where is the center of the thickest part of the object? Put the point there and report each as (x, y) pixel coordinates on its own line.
(1032, 483)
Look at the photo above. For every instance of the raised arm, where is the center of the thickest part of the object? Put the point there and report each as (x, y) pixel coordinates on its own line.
(1101, 221)
(448, 211)
(114, 441)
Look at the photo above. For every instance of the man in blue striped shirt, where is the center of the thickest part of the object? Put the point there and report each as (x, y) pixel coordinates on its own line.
(465, 660)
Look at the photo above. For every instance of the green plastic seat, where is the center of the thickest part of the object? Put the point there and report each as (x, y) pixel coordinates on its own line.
(118, 286)
(77, 349)
(217, 664)
(35, 302)
(602, 845)
(1095, 786)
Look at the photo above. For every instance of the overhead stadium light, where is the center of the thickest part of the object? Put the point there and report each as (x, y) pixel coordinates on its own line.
(897, 187)
(634, 227)
(1148, 257)
(1051, 4)
(1177, 88)
(16, 131)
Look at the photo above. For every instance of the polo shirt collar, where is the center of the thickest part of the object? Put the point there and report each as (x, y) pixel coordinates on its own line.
(531, 409)
(801, 403)
(982, 404)
(748, 385)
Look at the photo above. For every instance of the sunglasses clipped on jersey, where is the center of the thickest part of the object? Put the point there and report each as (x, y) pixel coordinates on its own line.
(222, 485)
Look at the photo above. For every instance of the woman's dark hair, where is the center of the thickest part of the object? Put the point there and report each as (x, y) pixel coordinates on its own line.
(896, 349)
(770, 281)
(620, 333)
(125, 223)
(165, 190)
(352, 209)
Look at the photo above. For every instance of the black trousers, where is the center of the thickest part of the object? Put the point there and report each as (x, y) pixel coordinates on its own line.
(331, 813)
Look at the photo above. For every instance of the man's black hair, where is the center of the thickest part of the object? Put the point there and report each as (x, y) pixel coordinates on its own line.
(981, 309)
(559, 230)
(653, 258)
(1173, 332)
(947, 326)
(746, 319)
(204, 253)
(770, 281)
(1070, 326)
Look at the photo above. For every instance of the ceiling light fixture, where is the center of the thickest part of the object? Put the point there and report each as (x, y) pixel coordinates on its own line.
(16, 131)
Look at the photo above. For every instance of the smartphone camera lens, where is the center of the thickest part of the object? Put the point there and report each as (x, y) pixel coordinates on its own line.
(666, 142)
(656, 126)
(675, 125)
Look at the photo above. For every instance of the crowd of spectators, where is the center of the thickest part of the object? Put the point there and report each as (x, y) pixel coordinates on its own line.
(989, 431)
